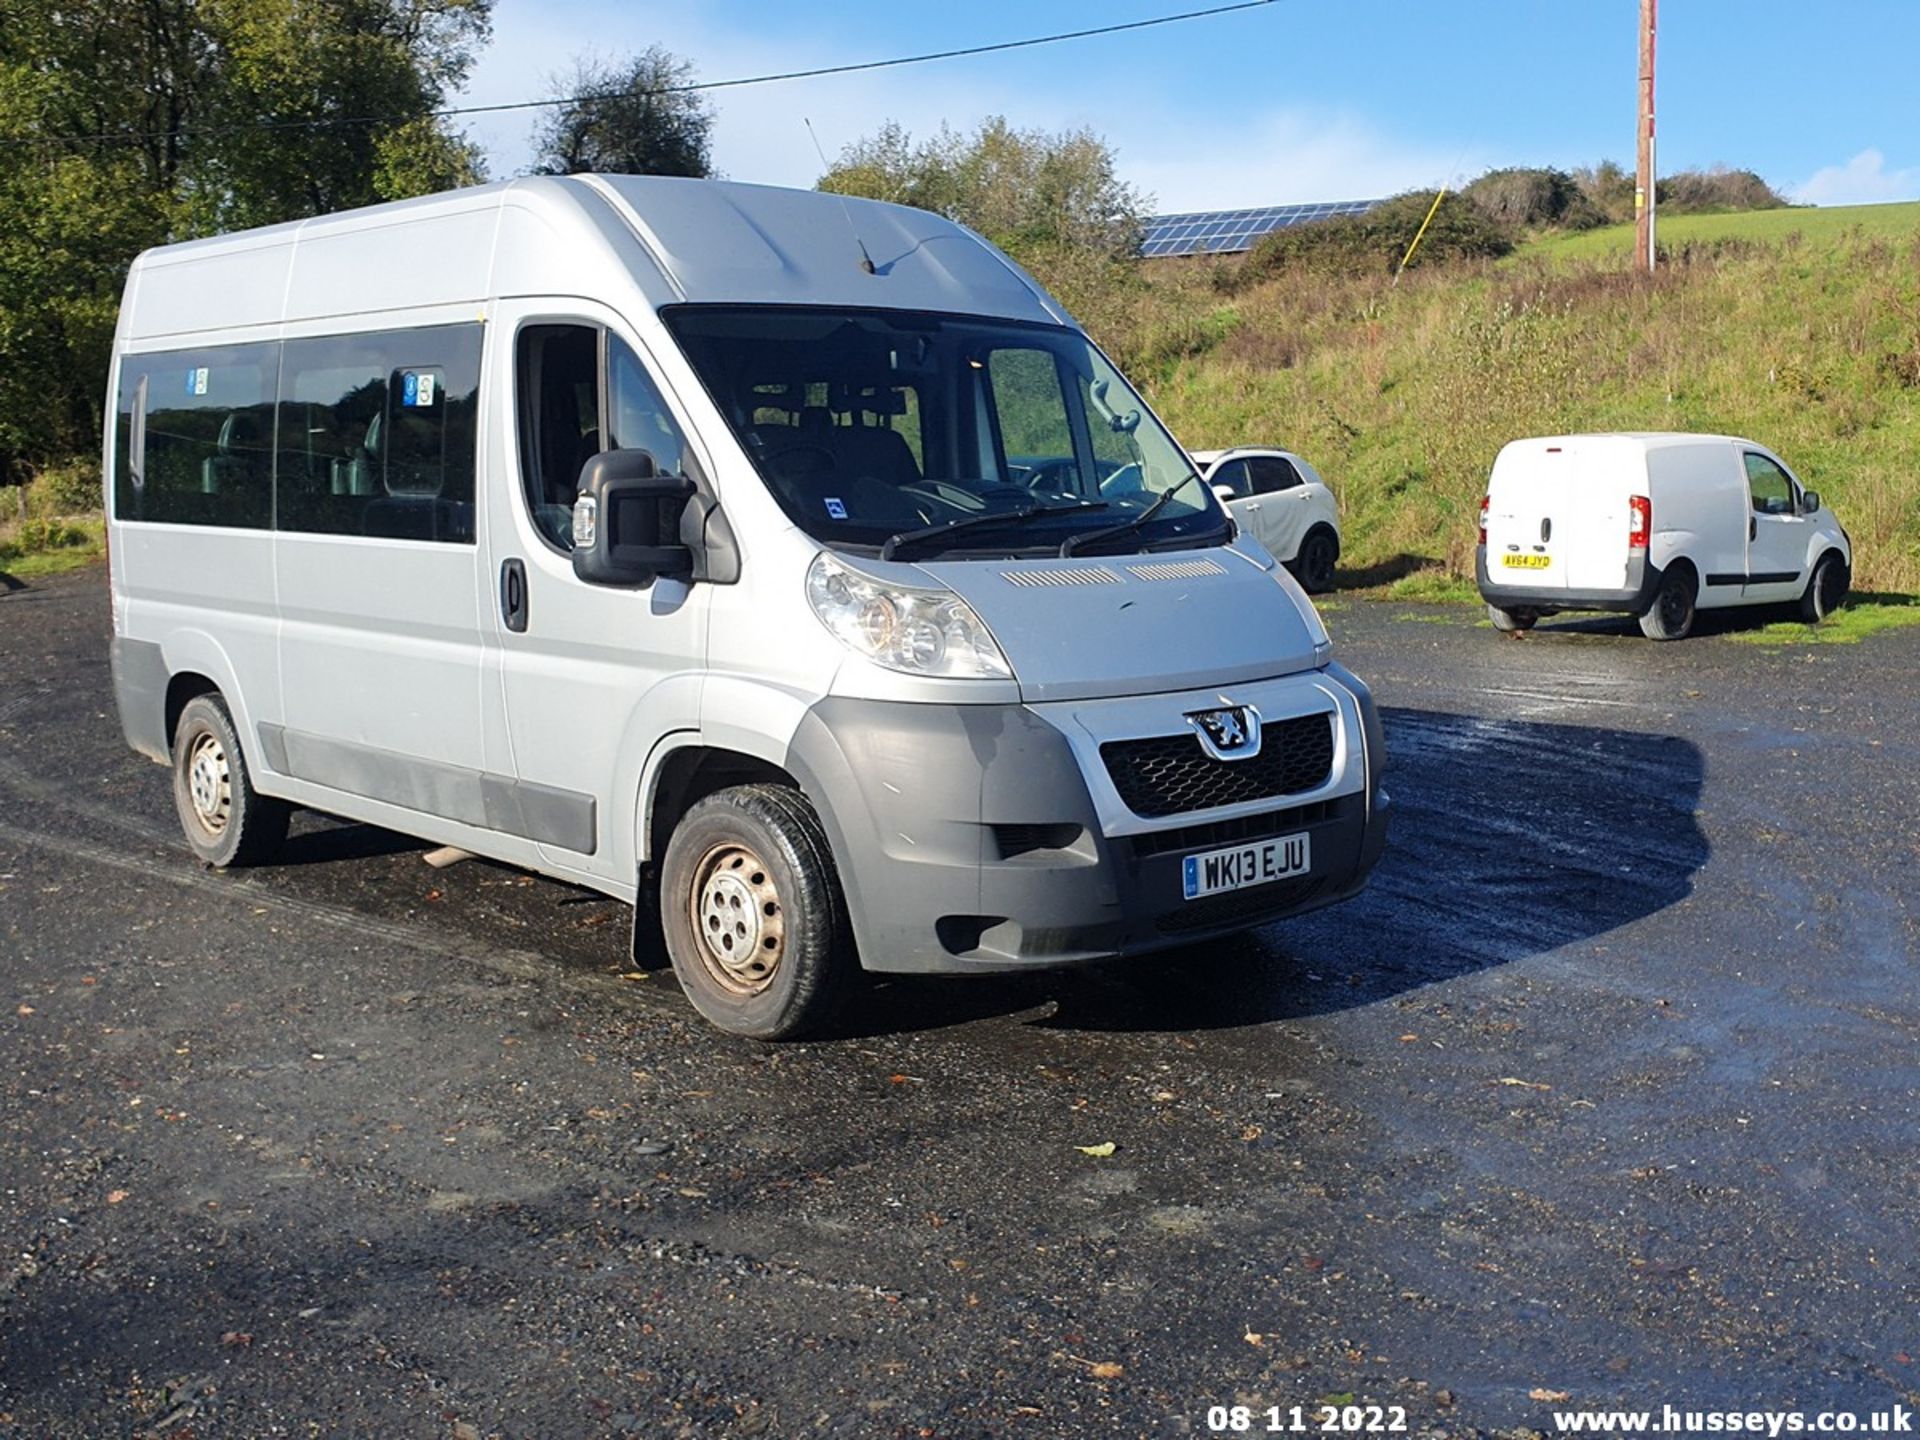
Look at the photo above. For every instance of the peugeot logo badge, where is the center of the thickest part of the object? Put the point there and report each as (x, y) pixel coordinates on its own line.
(1230, 733)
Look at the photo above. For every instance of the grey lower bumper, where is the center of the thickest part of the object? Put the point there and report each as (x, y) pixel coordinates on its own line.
(967, 841)
(1633, 598)
(140, 693)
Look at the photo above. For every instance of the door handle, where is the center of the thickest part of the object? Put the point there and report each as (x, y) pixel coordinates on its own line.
(513, 595)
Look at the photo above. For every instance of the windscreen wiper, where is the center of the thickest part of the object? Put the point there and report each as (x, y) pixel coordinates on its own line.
(896, 543)
(1074, 544)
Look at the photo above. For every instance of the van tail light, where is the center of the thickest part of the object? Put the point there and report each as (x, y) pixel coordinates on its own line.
(1485, 500)
(1640, 521)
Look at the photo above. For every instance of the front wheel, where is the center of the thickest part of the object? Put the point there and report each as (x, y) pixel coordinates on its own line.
(1670, 617)
(227, 821)
(1313, 566)
(752, 912)
(1511, 622)
(1827, 590)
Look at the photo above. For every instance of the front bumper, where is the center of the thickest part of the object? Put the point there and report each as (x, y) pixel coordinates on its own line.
(990, 837)
(1633, 598)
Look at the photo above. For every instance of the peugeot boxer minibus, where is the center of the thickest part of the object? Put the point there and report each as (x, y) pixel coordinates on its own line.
(792, 567)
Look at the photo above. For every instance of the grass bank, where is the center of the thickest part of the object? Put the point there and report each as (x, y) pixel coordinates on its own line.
(52, 524)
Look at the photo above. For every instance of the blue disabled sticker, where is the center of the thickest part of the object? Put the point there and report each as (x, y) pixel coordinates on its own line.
(836, 510)
(409, 389)
(1191, 875)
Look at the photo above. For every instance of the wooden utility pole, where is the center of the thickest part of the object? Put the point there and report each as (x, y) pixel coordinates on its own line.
(1646, 181)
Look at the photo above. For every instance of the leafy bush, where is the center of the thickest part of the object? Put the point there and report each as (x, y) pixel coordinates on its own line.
(70, 489)
(1698, 191)
(1374, 242)
(1530, 199)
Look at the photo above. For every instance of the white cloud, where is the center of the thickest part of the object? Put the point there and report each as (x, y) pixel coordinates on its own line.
(1863, 180)
(1179, 152)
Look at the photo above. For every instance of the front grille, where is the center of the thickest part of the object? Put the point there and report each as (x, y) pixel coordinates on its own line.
(1171, 774)
(1240, 905)
(1219, 834)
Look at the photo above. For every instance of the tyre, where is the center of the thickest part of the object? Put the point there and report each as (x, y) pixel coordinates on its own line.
(1313, 566)
(227, 822)
(1511, 622)
(1827, 589)
(1670, 617)
(751, 908)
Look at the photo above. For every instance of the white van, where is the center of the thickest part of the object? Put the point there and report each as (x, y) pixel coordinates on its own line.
(1656, 526)
(791, 566)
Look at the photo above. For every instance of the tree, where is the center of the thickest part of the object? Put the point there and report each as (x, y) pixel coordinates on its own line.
(1026, 190)
(129, 125)
(631, 117)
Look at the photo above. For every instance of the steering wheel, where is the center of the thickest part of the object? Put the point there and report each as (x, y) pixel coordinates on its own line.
(1055, 476)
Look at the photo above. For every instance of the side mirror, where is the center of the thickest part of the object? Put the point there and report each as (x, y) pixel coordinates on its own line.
(626, 523)
(1809, 501)
(1225, 492)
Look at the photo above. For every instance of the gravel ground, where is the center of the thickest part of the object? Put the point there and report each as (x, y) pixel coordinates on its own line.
(1606, 1087)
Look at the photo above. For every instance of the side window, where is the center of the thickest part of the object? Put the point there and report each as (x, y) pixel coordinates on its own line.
(640, 419)
(1233, 475)
(1031, 408)
(558, 374)
(1272, 474)
(1769, 486)
(561, 395)
(200, 450)
(377, 434)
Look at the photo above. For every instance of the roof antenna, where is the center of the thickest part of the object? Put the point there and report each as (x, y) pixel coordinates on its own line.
(866, 260)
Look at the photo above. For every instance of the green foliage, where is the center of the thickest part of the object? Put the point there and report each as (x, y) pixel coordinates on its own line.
(1700, 192)
(1028, 191)
(1374, 243)
(72, 489)
(1530, 199)
(627, 119)
(131, 125)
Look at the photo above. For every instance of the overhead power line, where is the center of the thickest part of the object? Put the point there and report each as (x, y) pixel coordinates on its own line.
(691, 87)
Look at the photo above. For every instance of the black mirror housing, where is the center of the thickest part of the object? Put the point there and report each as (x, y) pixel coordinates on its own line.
(626, 521)
(1809, 501)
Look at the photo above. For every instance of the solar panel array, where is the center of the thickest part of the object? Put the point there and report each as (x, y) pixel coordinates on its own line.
(1227, 232)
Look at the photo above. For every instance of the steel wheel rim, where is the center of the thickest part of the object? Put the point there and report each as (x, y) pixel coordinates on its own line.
(739, 921)
(210, 783)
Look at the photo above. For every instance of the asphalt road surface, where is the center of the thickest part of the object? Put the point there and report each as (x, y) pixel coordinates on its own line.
(1607, 1087)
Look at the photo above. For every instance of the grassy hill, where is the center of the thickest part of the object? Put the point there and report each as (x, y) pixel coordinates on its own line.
(1798, 328)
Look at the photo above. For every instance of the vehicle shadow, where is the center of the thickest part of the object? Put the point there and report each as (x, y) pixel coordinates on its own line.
(1510, 838)
(1383, 572)
(322, 840)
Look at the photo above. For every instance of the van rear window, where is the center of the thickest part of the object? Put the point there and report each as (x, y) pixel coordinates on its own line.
(208, 452)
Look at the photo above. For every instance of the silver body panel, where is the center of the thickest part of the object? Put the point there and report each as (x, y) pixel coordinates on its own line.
(374, 677)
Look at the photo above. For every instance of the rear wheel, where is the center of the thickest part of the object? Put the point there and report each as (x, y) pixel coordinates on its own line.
(1313, 566)
(1670, 617)
(227, 821)
(1512, 622)
(1827, 590)
(751, 908)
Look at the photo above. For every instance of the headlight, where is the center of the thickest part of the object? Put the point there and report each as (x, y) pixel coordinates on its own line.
(921, 632)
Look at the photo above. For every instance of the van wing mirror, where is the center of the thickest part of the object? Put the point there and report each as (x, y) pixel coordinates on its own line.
(626, 521)
(1224, 493)
(1809, 501)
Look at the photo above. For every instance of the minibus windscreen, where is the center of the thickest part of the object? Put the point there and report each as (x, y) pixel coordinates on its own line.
(871, 424)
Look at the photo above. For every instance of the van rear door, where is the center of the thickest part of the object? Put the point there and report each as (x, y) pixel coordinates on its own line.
(1557, 514)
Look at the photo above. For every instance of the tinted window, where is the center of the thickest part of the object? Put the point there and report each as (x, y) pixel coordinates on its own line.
(1772, 491)
(1271, 473)
(377, 434)
(204, 455)
(1233, 475)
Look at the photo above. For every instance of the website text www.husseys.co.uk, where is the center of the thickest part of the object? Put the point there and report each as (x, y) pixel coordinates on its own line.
(1771, 1423)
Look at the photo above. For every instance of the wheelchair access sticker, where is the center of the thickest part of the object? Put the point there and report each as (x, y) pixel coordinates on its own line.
(836, 509)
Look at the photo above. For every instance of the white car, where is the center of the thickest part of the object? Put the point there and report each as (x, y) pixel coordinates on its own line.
(1281, 501)
(1655, 526)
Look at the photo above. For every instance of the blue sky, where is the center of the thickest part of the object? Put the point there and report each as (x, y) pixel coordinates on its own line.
(1295, 101)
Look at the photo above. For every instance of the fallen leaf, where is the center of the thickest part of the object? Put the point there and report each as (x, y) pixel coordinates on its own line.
(1523, 1084)
(434, 895)
(1551, 1397)
(23, 1010)
(1251, 1133)
(1098, 1152)
(1408, 1038)
(1255, 1339)
(236, 1339)
(88, 980)
(625, 975)
(692, 1194)
(114, 1197)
